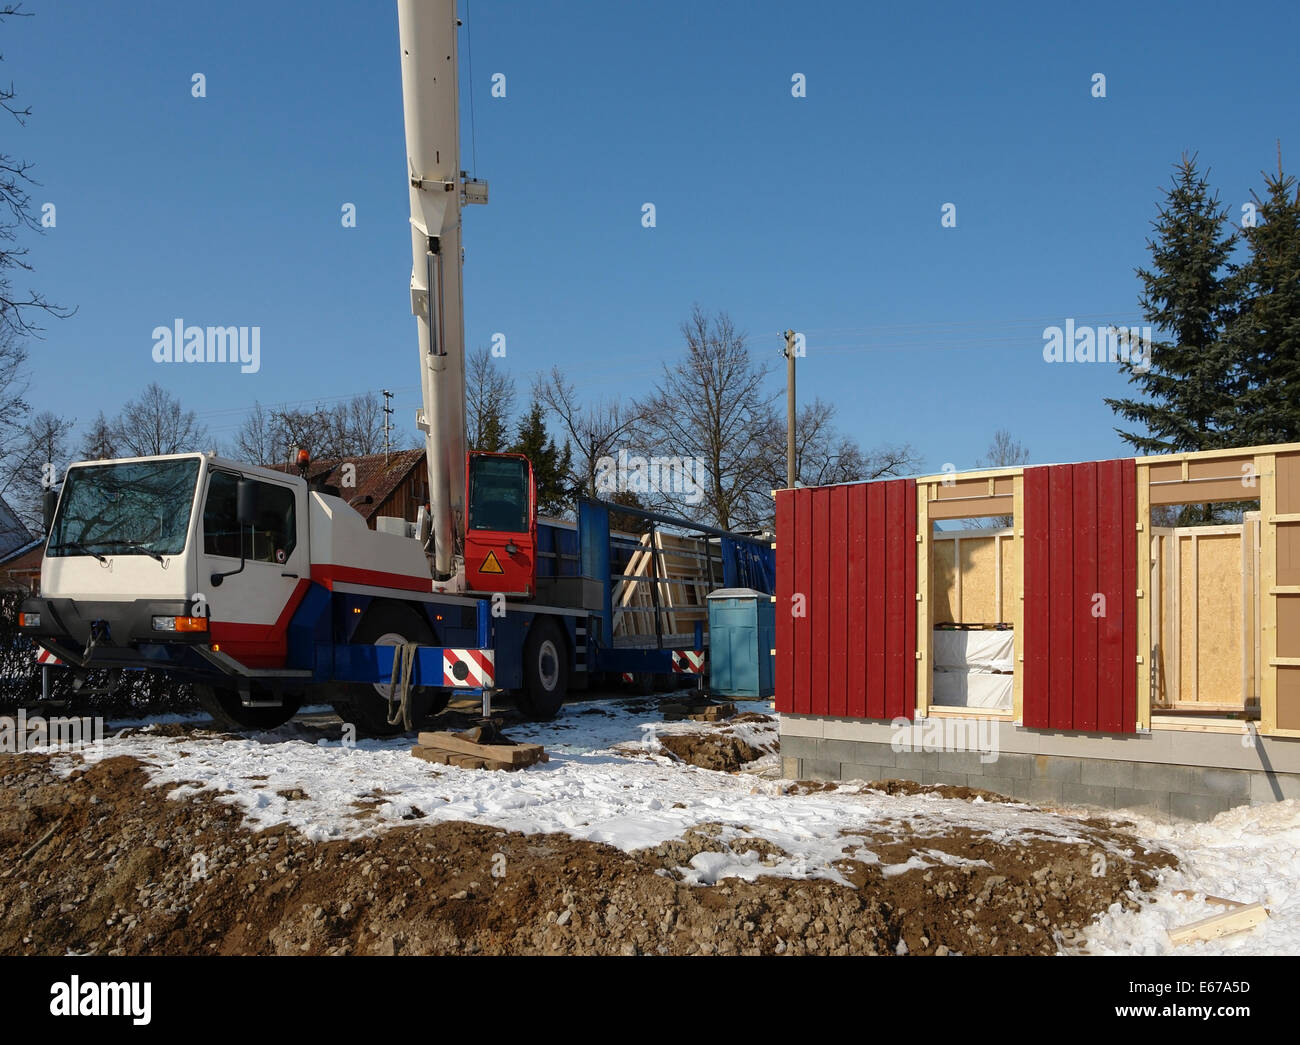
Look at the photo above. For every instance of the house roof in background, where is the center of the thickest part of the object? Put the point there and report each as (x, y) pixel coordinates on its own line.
(13, 534)
(375, 478)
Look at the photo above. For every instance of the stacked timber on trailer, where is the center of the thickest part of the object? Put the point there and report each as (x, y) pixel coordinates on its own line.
(682, 570)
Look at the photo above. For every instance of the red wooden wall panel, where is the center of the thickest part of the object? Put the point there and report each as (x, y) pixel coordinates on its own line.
(1035, 643)
(850, 551)
(875, 600)
(1125, 718)
(1080, 584)
(819, 598)
(783, 667)
(857, 617)
(1084, 714)
(1111, 585)
(837, 614)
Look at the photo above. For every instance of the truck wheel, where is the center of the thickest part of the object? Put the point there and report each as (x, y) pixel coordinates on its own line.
(546, 671)
(222, 703)
(364, 704)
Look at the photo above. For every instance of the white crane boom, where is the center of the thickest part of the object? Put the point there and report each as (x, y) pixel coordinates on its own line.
(427, 30)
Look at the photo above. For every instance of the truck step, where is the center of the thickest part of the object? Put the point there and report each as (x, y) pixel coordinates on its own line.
(463, 750)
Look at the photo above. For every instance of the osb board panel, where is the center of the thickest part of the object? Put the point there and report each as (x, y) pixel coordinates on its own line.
(1288, 626)
(1287, 471)
(1162, 626)
(976, 507)
(1217, 469)
(943, 582)
(1288, 698)
(1166, 471)
(1288, 553)
(978, 581)
(1219, 610)
(971, 486)
(1010, 578)
(1187, 619)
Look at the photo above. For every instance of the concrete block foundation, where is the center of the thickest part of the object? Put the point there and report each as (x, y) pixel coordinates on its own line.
(1187, 775)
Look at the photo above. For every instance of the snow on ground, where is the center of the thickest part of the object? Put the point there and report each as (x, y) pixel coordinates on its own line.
(631, 798)
(1247, 854)
(609, 780)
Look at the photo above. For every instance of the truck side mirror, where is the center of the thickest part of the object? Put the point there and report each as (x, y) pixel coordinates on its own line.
(246, 502)
(49, 502)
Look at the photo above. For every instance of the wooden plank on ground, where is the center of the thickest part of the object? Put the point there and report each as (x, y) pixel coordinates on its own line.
(516, 754)
(1236, 920)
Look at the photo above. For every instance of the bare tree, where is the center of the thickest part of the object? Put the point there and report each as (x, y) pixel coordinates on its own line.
(362, 425)
(156, 423)
(489, 402)
(18, 308)
(1003, 452)
(256, 439)
(39, 464)
(711, 409)
(351, 429)
(595, 431)
(14, 408)
(99, 443)
(825, 456)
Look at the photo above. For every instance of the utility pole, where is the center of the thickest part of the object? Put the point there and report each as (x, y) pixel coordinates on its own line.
(789, 409)
(388, 425)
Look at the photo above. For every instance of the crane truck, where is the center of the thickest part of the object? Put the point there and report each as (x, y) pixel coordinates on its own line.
(265, 591)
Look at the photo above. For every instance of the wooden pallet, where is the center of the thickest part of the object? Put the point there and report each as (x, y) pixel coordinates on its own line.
(467, 752)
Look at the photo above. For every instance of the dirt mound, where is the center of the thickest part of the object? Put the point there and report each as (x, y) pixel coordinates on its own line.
(910, 787)
(720, 751)
(100, 863)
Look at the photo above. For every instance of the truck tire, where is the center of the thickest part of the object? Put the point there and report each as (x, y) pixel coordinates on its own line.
(546, 671)
(364, 704)
(222, 703)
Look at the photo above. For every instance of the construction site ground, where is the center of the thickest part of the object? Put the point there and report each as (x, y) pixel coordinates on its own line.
(639, 836)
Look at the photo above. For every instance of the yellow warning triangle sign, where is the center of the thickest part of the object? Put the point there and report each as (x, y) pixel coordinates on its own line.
(490, 564)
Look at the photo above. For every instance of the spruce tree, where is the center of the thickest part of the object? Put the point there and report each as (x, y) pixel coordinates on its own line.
(551, 466)
(1265, 334)
(1188, 296)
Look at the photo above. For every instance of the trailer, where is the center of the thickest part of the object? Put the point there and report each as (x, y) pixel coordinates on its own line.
(266, 591)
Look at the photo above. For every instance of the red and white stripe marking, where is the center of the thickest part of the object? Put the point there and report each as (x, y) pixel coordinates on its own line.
(478, 671)
(44, 656)
(688, 661)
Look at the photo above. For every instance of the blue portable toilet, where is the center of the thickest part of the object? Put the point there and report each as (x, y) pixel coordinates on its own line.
(742, 634)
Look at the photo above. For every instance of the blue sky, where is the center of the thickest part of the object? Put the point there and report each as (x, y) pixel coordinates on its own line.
(819, 213)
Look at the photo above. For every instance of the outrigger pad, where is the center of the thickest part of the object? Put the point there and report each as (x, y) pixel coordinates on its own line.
(471, 750)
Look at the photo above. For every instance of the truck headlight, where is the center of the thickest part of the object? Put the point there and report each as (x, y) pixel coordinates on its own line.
(29, 620)
(164, 624)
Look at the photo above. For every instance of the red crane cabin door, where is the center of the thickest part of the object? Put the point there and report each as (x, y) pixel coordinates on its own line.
(846, 600)
(1080, 589)
(501, 524)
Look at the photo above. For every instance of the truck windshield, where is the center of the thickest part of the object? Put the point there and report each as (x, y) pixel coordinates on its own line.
(141, 508)
(498, 494)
